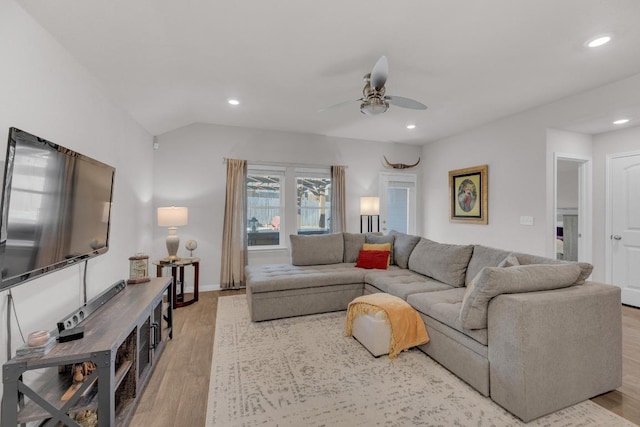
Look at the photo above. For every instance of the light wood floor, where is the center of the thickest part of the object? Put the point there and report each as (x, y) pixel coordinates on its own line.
(177, 392)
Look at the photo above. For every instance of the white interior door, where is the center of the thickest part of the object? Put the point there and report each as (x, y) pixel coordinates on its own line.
(624, 238)
(398, 202)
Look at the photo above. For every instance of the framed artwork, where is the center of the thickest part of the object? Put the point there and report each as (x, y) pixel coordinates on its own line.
(468, 191)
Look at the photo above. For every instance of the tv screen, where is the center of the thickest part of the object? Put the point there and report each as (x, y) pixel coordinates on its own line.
(56, 208)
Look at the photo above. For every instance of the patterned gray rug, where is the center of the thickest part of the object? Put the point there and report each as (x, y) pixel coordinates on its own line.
(303, 372)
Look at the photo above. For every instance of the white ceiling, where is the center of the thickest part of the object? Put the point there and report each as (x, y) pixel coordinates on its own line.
(172, 63)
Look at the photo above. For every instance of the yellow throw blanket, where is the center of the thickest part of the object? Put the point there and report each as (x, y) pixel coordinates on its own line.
(407, 327)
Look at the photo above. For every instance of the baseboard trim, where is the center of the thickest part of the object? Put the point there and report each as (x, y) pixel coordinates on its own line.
(201, 288)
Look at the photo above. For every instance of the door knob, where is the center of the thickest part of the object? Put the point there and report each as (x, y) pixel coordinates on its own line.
(616, 237)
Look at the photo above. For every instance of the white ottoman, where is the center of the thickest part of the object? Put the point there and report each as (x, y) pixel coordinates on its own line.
(373, 332)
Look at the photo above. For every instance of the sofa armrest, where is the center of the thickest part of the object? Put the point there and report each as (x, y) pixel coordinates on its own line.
(552, 349)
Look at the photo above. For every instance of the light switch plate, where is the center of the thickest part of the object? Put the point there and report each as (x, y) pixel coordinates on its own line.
(526, 220)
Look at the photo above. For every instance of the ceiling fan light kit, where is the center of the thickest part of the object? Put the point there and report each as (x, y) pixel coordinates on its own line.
(374, 101)
(373, 106)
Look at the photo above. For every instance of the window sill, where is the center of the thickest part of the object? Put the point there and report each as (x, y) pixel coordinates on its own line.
(265, 248)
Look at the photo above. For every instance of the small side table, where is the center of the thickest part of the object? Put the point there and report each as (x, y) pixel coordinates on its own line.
(180, 264)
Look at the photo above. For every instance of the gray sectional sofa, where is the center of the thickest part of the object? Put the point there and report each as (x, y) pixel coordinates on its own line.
(529, 332)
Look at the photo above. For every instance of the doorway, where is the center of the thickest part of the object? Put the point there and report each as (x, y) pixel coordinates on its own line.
(623, 225)
(398, 202)
(572, 208)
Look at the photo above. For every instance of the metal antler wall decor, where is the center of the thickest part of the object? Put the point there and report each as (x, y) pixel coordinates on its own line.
(400, 165)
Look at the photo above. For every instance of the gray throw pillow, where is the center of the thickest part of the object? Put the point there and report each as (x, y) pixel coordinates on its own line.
(484, 256)
(374, 238)
(317, 249)
(494, 281)
(443, 262)
(403, 245)
(510, 261)
(352, 246)
(585, 267)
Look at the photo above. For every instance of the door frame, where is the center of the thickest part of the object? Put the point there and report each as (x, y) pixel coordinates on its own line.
(585, 203)
(608, 217)
(411, 178)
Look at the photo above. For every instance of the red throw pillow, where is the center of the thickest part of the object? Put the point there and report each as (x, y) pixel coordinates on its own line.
(373, 259)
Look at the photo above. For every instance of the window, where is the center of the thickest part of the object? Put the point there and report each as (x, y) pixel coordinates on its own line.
(286, 200)
(264, 207)
(314, 203)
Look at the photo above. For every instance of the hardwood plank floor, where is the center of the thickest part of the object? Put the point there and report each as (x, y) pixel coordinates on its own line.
(177, 392)
(625, 401)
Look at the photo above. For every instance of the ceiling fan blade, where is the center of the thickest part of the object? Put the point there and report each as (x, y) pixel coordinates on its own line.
(379, 73)
(340, 104)
(405, 102)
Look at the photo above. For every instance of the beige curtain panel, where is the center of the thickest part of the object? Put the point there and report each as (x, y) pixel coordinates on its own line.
(338, 199)
(234, 232)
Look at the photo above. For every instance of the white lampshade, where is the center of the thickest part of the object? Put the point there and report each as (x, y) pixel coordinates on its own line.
(173, 216)
(369, 206)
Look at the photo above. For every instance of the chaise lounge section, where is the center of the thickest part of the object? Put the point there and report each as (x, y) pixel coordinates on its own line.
(527, 331)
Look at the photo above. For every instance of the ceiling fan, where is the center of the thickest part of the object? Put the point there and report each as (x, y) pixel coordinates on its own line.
(374, 101)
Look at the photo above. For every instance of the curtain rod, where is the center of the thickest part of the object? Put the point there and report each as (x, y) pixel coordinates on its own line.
(284, 164)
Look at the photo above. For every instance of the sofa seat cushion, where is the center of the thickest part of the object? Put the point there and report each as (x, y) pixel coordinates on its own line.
(444, 306)
(317, 249)
(280, 277)
(402, 283)
(443, 262)
(494, 281)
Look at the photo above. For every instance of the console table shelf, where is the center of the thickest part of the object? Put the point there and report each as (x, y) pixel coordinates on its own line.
(124, 338)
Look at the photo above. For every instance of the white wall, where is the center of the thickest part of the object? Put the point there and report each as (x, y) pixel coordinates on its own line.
(606, 144)
(190, 171)
(514, 150)
(519, 151)
(45, 92)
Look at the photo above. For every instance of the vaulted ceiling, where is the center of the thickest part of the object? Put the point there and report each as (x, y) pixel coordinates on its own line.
(172, 63)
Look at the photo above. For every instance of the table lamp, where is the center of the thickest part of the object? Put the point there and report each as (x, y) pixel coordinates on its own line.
(173, 217)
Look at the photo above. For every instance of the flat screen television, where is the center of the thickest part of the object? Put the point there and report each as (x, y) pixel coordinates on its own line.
(56, 208)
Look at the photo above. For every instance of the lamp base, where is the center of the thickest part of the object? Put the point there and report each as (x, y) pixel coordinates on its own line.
(370, 223)
(173, 241)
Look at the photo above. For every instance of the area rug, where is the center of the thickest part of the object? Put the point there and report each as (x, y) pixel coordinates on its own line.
(303, 371)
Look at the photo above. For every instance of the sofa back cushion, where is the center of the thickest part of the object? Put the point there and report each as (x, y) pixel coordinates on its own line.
(403, 245)
(484, 256)
(443, 262)
(352, 246)
(317, 249)
(494, 281)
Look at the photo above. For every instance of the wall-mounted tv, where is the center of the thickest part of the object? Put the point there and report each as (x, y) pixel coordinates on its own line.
(55, 208)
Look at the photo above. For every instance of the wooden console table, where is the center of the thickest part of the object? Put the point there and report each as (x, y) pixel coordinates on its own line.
(124, 338)
(178, 266)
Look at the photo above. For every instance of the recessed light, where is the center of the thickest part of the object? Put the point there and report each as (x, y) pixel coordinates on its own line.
(411, 126)
(233, 102)
(599, 41)
(621, 121)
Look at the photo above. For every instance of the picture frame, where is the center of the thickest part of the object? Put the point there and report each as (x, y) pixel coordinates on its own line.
(469, 195)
